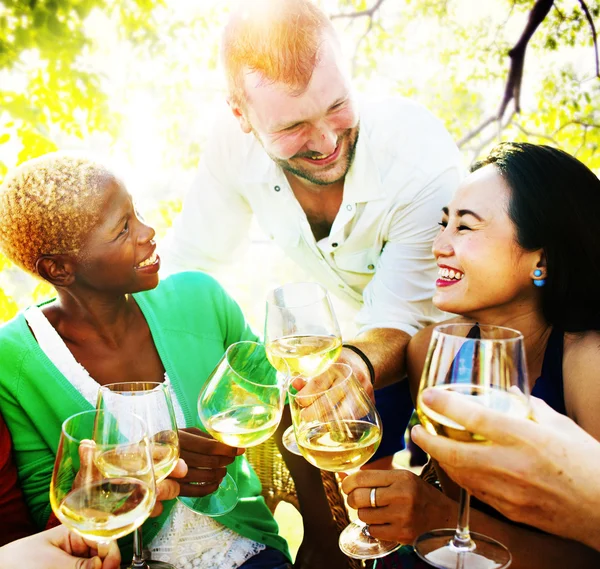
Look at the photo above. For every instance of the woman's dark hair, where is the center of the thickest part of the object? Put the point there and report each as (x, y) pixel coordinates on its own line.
(555, 206)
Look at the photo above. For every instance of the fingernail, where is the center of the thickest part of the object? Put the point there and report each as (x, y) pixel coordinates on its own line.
(428, 396)
(240, 451)
(415, 432)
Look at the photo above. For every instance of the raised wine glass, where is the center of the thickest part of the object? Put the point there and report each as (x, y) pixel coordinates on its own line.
(103, 484)
(240, 405)
(338, 429)
(487, 365)
(152, 402)
(301, 330)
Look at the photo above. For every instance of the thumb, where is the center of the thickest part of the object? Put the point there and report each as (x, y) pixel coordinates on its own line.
(544, 414)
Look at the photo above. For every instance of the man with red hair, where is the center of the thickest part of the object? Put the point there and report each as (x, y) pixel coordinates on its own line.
(350, 190)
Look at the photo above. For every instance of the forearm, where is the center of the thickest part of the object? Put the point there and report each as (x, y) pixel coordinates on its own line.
(386, 349)
(532, 549)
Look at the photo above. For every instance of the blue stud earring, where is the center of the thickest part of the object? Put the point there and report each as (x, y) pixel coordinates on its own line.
(538, 281)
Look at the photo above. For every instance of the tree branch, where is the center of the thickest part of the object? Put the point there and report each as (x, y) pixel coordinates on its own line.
(590, 20)
(536, 134)
(471, 135)
(357, 46)
(369, 12)
(477, 150)
(517, 55)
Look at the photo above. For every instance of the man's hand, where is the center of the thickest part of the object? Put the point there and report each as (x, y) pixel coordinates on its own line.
(58, 548)
(541, 473)
(206, 459)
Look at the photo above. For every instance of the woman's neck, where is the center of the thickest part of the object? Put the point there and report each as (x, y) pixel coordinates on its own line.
(83, 318)
(531, 324)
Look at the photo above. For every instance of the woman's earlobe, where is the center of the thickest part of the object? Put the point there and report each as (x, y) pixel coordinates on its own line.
(56, 269)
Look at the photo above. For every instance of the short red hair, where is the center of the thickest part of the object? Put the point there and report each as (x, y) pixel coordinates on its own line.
(278, 38)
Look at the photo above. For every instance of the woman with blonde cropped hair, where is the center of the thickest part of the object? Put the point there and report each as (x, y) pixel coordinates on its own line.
(70, 221)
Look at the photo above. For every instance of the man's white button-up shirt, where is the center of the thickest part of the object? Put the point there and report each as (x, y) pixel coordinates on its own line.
(378, 253)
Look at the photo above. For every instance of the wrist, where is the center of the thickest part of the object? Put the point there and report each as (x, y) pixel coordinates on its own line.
(366, 362)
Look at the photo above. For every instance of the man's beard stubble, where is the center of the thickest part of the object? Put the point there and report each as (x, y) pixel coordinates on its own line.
(286, 165)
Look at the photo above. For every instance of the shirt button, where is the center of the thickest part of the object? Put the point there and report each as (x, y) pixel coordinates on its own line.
(334, 244)
(349, 207)
(371, 267)
(277, 188)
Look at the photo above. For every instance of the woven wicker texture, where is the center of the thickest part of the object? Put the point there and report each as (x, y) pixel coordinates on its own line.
(278, 485)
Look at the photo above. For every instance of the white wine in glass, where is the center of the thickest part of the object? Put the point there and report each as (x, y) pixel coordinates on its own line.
(240, 405)
(487, 365)
(338, 429)
(152, 402)
(102, 485)
(301, 330)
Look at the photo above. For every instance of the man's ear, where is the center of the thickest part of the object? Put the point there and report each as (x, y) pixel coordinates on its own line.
(240, 115)
(58, 270)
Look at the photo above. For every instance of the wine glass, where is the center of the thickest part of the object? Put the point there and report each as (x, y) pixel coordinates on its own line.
(301, 330)
(240, 405)
(152, 402)
(487, 365)
(338, 429)
(103, 484)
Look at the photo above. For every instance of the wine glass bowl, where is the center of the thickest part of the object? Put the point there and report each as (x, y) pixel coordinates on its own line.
(337, 428)
(487, 365)
(103, 485)
(243, 399)
(152, 402)
(301, 329)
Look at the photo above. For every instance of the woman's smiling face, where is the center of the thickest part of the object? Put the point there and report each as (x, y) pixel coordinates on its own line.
(119, 253)
(481, 264)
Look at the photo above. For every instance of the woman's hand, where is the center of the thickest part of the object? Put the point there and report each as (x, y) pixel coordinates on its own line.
(542, 473)
(406, 505)
(58, 548)
(206, 459)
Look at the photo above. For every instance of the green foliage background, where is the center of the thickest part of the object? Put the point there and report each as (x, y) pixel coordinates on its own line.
(71, 71)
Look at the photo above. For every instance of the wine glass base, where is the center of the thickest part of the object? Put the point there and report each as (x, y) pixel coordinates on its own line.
(150, 564)
(219, 503)
(289, 441)
(356, 542)
(436, 548)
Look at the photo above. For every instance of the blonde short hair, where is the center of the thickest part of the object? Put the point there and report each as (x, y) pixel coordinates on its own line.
(278, 38)
(47, 206)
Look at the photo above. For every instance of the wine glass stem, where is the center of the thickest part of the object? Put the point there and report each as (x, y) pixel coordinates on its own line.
(462, 538)
(138, 561)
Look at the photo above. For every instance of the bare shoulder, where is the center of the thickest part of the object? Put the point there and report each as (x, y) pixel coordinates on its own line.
(581, 362)
(417, 351)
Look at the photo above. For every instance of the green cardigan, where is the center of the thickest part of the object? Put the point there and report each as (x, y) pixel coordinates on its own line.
(192, 321)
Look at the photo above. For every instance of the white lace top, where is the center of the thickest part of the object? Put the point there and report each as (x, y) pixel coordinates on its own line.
(187, 540)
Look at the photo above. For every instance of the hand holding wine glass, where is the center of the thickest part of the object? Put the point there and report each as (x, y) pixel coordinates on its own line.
(103, 485)
(485, 364)
(338, 429)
